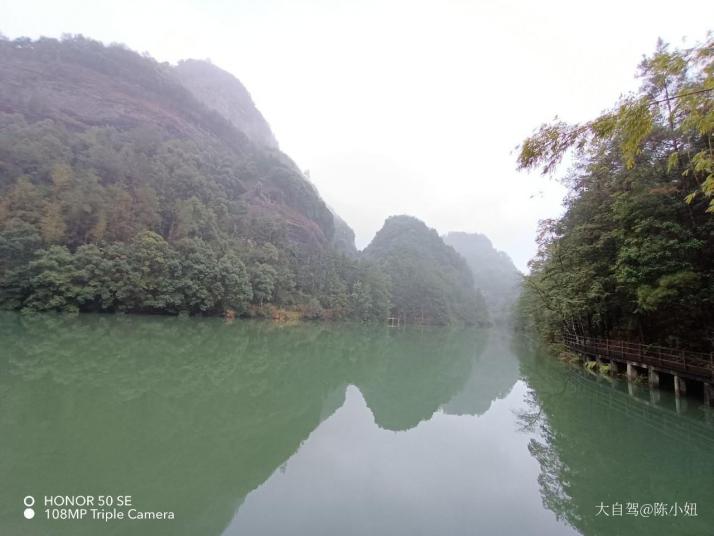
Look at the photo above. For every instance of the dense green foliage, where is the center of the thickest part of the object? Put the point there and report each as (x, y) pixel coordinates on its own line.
(494, 273)
(631, 256)
(139, 227)
(431, 283)
(129, 185)
(148, 201)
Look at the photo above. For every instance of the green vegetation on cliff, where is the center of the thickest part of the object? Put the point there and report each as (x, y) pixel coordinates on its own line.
(122, 191)
(132, 185)
(430, 282)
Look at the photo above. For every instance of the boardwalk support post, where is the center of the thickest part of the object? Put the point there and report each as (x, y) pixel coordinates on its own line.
(652, 377)
(680, 405)
(680, 386)
(656, 360)
(708, 394)
(631, 388)
(655, 396)
(631, 372)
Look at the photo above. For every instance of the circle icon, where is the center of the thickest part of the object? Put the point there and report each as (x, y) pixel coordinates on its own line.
(29, 501)
(29, 513)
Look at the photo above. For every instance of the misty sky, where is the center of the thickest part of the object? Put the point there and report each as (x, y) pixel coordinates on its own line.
(403, 107)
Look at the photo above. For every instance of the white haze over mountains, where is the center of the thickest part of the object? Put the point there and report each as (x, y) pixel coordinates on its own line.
(402, 107)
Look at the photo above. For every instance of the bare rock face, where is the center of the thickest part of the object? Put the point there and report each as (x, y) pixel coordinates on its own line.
(224, 93)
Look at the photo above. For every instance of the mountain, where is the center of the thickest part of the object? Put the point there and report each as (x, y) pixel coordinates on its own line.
(493, 374)
(431, 282)
(493, 271)
(224, 93)
(80, 89)
(344, 238)
(132, 185)
(137, 186)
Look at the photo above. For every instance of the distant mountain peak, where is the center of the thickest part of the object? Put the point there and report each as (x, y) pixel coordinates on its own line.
(431, 282)
(474, 238)
(494, 273)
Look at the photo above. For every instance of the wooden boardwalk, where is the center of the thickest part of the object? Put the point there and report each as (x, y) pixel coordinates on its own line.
(697, 366)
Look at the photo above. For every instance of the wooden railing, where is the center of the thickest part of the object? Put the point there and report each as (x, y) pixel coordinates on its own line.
(696, 364)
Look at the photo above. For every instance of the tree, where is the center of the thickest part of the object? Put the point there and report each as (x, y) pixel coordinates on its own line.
(198, 280)
(52, 224)
(235, 283)
(629, 257)
(22, 201)
(360, 302)
(152, 278)
(54, 282)
(263, 282)
(674, 108)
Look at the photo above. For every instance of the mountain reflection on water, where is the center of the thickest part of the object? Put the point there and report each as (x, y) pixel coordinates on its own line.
(258, 428)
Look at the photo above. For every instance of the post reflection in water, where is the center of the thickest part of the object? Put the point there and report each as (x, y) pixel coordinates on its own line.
(257, 428)
(604, 442)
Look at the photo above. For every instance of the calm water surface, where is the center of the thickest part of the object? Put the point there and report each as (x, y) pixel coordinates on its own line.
(251, 428)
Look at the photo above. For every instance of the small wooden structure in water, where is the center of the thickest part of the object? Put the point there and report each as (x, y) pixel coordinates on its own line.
(398, 321)
(683, 365)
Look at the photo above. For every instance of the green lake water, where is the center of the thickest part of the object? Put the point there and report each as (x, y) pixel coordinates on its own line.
(252, 428)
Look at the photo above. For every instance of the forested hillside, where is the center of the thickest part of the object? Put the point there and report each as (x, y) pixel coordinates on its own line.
(632, 255)
(430, 280)
(122, 190)
(495, 275)
(132, 185)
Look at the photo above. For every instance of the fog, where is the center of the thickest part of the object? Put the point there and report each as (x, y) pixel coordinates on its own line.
(403, 107)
